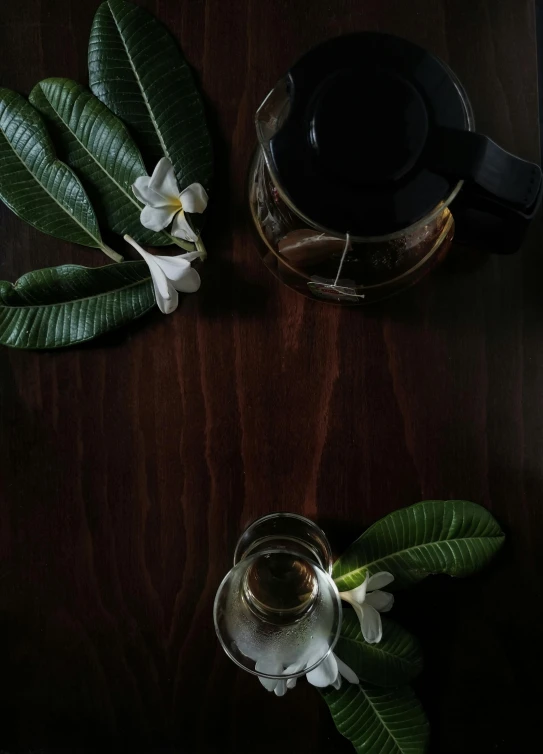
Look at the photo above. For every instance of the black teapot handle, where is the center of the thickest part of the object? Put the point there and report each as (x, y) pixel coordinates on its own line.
(501, 194)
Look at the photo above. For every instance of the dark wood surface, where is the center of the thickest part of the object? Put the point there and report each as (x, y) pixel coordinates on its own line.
(129, 467)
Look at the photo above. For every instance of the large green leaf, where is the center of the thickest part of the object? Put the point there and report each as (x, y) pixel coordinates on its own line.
(436, 536)
(60, 306)
(394, 661)
(379, 721)
(137, 70)
(37, 186)
(96, 144)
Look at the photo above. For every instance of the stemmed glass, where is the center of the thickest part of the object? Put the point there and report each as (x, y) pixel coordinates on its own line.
(277, 612)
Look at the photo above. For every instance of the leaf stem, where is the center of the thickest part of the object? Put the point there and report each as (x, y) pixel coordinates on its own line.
(111, 254)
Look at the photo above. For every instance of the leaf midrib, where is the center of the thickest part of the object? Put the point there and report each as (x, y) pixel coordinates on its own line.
(144, 96)
(90, 154)
(121, 188)
(385, 726)
(377, 649)
(56, 160)
(415, 547)
(75, 300)
(377, 715)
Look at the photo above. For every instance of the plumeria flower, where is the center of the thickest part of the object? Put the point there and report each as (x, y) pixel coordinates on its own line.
(328, 673)
(280, 658)
(368, 601)
(170, 275)
(271, 667)
(164, 202)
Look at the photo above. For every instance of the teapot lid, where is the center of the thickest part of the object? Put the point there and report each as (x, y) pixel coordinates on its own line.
(357, 151)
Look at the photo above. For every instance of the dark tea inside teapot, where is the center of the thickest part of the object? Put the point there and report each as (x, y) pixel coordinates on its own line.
(369, 162)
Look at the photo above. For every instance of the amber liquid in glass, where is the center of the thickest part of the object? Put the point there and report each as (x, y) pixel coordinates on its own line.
(280, 587)
(315, 264)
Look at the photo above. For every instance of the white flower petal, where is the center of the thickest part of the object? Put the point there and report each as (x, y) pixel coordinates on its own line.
(324, 674)
(178, 270)
(346, 671)
(173, 267)
(190, 256)
(140, 187)
(165, 294)
(154, 267)
(379, 580)
(141, 190)
(181, 228)
(337, 683)
(268, 683)
(359, 610)
(166, 304)
(163, 180)
(356, 595)
(281, 688)
(157, 218)
(270, 667)
(170, 275)
(194, 198)
(372, 629)
(294, 668)
(381, 601)
(189, 283)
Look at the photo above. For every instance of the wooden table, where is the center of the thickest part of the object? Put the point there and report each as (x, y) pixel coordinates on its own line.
(130, 466)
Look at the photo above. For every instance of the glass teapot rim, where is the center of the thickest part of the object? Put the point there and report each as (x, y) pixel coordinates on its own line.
(502, 191)
(359, 239)
(264, 135)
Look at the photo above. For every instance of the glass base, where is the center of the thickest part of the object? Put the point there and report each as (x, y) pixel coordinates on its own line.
(277, 613)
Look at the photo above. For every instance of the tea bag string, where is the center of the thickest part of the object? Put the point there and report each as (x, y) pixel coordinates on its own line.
(344, 254)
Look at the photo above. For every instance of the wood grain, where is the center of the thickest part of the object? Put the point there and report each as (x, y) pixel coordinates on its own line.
(129, 467)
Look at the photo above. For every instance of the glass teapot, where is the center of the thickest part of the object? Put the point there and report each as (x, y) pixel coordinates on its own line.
(366, 150)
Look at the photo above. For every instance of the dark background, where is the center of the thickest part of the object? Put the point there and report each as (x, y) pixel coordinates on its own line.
(129, 467)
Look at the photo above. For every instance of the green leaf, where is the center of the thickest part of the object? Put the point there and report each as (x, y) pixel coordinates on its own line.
(98, 147)
(137, 70)
(394, 661)
(379, 721)
(436, 536)
(38, 187)
(61, 306)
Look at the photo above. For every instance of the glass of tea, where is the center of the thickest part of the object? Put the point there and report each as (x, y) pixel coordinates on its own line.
(277, 613)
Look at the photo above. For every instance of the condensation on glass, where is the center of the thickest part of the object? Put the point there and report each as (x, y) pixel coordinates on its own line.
(279, 606)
